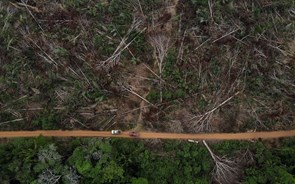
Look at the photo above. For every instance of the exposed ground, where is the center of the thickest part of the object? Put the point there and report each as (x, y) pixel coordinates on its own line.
(174, 66)
(153, 135)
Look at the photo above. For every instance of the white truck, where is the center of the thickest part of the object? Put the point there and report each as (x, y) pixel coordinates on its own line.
(116, 132)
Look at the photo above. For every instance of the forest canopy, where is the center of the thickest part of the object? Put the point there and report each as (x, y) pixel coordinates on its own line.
(44, 160)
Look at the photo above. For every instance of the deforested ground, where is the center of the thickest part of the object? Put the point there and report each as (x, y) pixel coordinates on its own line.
(182, 66)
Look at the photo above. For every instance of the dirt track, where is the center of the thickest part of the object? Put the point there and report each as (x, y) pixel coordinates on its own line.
(151, 135)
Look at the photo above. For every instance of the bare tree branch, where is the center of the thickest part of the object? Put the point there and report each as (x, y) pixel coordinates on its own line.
(203, 124)
(225, 171)
(160, 43)
(115, 57)
(130, 90)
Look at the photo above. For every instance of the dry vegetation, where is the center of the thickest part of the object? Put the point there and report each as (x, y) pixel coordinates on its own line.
(181, 66)
(171, 66)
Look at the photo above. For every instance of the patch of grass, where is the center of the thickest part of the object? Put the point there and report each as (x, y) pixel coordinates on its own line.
(202, 104)
(154, 95)
(94, 95)
(48, 121)
(61, 52)
(181, 78)
(104, 46)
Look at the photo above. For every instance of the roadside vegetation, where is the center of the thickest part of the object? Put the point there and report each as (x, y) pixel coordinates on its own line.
(43, 160)
(184, 66)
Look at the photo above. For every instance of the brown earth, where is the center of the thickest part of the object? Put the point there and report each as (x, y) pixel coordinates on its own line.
(151, 135)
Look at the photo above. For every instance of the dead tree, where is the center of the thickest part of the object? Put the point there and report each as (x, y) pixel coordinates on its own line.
(202, 123)
(115, 57)
(246, 158)
(225, 171)
(134, 5)
(48, 177)
(71, 177)
(160, 43)
(48, 154)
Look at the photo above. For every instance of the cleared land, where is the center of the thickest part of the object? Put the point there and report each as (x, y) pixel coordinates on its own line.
(152, 135)
(178, 69)
(159, 66)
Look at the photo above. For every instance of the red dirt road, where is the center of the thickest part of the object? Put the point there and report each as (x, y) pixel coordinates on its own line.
(151, 135)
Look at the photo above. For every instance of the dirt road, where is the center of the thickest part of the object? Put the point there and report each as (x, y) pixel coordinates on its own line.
(151, 135)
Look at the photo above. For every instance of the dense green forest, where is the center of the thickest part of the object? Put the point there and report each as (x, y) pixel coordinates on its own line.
(47, 161)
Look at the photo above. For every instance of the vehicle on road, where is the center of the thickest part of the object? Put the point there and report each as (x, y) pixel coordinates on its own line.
(116, 132)
(133, 134)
